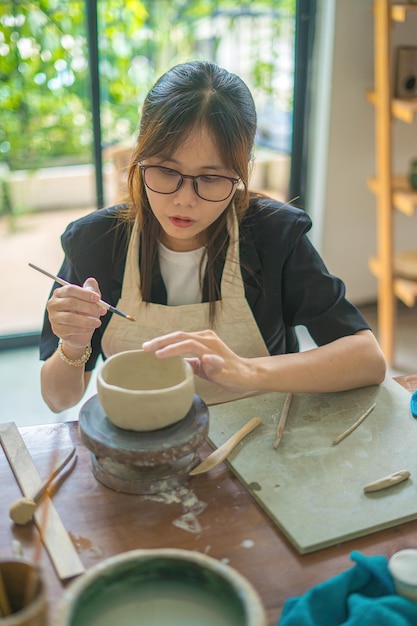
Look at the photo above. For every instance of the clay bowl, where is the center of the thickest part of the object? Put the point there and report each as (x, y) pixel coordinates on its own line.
(160, 587)
(140, 392)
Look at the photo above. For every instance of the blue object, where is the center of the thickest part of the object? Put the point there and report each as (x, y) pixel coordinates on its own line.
(362, 596)
(413, 404)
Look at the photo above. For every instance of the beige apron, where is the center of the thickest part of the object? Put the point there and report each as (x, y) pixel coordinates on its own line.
(234, 322)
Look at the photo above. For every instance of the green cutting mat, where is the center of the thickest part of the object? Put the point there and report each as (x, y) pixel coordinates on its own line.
(311, 489)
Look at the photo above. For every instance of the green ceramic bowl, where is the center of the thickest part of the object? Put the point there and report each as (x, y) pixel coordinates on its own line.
(161, 587)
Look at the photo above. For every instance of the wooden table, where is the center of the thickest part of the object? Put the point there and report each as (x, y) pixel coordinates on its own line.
(215, 516)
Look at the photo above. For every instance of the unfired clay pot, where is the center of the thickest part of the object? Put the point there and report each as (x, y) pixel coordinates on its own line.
(140, 392)
(160, 587)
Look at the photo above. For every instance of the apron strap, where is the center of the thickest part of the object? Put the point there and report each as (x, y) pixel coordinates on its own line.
(231, 284)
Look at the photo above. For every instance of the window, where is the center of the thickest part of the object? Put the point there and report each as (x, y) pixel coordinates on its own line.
(47, 129)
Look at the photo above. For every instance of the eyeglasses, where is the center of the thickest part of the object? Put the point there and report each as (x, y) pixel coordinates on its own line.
(210, 187)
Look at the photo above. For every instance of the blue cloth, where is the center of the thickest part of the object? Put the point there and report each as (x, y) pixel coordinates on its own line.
(413, 404)
(362, 596)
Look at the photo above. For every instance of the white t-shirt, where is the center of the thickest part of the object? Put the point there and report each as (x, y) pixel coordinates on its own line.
(180, 273)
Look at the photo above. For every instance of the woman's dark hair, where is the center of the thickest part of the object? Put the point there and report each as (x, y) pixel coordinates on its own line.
(188, 96)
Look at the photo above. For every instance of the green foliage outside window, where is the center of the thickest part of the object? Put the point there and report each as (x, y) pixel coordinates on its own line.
(45, 105)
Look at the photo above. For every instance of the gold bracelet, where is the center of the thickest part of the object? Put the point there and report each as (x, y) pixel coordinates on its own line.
(75, 362)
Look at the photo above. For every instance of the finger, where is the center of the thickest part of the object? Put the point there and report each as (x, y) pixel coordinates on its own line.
(92, 285)
(164, 340)
(188, 348)
(205, 338)
(206, 367)
(78, 327)
(213, 364)
(196, 366)
(209, 367)
(75, 292)
(72, 298)
(76, 322)
(81, 319)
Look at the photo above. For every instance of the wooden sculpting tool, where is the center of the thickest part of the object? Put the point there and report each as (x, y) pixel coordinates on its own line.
(219, 455)
(387, 481)
(54, 536)
(22, 510)
(283, 419)
(355, 425)
(63, 282)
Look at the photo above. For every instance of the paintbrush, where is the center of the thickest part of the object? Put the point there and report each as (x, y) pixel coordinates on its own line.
(63, 282)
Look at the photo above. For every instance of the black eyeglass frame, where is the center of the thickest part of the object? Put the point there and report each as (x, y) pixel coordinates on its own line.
(144, 167)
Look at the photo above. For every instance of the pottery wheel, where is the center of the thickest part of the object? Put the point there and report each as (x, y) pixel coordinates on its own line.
(143, 462)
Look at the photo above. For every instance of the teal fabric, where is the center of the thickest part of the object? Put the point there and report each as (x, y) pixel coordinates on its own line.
(362, 596)
(413, 404)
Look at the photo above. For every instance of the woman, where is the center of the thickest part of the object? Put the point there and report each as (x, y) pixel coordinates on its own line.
(208, 270)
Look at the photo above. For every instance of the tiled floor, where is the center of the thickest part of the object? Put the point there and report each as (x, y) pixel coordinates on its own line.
(21, 401)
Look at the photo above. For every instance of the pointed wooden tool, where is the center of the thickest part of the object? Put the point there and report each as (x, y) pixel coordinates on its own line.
(219, 455)
(283, 419)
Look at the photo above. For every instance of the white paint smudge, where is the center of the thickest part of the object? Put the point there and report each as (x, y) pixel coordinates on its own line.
(95, 552)
(188, 522)
(247, 543)
(192, 507)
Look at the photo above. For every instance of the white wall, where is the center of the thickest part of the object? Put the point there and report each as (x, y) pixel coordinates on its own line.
(342, 147)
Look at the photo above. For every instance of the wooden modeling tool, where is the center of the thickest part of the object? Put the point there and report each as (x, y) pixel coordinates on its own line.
(21, 511)
(355, 425)
(63, 282)
(283, 419)
(219, 455)
(60, 548)
(387, 481)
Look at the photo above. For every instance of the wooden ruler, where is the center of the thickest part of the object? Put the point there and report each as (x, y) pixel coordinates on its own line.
(57, 542)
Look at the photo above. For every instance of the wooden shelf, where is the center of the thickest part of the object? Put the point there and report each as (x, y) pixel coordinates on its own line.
(405, 110)
(404, 197)
(402, 109)
(394, 272)
(399, 11)
(405, 289)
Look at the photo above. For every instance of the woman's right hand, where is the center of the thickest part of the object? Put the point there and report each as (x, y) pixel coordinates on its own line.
(74, 312)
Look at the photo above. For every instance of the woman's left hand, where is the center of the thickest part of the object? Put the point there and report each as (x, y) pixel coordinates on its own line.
(208, 355)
